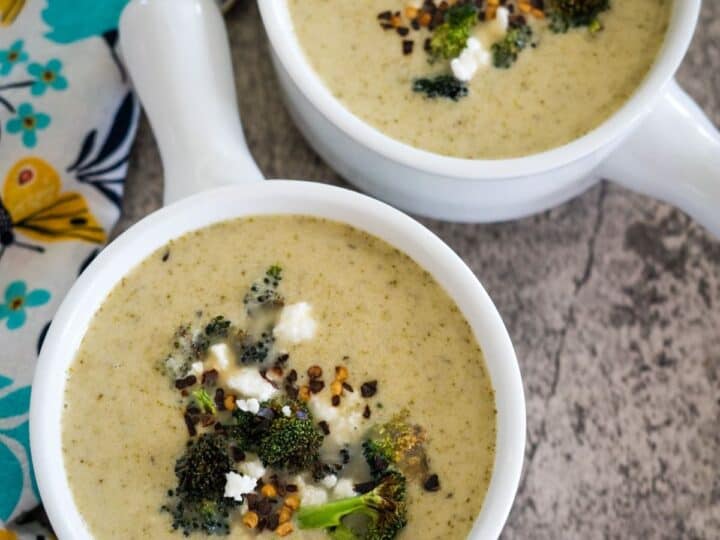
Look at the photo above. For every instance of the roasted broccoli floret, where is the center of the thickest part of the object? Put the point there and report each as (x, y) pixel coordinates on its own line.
(383, 507)
(396, 444)
(255, 351)
(263, 293)
(565, 14)
(248, 429)
(217, 328)
(190, 346)
(283, 442)
(198, 503)
(505, 52)
(449, 39)
(292, 442)
(445, 86)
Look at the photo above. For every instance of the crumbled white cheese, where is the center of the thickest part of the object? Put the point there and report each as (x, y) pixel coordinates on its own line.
(223, 355)
(502, 19)
(329, 481)
(237, 485)
(312, 495)
(251, 405)
(296, 323)
(322, 408)
(309, 494)
(253, 468)
(196, 368)
(286, 410)
(344, 488)
(473, 57)
(344, 421)
(249, 383)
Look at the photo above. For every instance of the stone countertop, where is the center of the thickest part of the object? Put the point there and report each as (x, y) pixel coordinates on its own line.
(612, 301)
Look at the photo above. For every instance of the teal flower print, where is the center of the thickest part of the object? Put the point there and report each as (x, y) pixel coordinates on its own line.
(73, 20)
(15, 463)
(28, 121)
(47, 76)
(17, 299)
(12, 56)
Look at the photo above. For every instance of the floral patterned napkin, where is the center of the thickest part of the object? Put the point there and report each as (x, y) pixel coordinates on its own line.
(67, 120)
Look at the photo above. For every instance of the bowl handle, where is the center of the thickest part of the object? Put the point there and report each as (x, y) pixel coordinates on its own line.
(178, 57)
(673, 156)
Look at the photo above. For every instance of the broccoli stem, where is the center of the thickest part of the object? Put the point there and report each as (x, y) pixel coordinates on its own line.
(332, 513)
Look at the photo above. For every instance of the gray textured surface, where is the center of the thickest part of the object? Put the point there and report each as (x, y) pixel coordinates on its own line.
(613, 303)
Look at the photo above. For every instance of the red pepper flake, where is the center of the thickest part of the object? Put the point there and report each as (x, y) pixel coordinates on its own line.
(368, 389)
(181, 384)
(432, 483)
(314, 372)
(219, 399)
(210, 377)
(264, 507)
(273, 521)
(282, 359)
(251, 499)
(190, 422)
(277, 371)
(316, 385)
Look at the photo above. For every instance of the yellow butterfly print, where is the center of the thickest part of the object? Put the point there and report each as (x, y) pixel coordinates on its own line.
(33, 205)
(9, 10)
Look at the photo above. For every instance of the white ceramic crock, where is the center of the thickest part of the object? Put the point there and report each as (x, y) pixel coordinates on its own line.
(177, 54)
(658, 143)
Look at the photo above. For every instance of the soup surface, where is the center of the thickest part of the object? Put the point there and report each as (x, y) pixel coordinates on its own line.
(562, 85)
(376, 313)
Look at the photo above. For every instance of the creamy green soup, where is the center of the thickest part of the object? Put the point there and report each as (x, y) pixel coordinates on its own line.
(376, 313)
(563, 84)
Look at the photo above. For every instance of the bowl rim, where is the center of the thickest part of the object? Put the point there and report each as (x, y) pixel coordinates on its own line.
(272, 198)
(285, 44)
